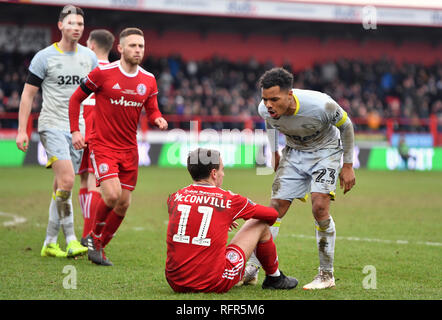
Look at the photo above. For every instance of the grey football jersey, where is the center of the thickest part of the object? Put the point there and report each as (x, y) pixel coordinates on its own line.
(313, 126)
(61, 73)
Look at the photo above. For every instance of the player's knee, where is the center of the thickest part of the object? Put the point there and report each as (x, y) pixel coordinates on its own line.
(266, 234)
(111, 198)
(261, 228)
(66, 182)
(281, 206)
(320, 206)
(320, 211)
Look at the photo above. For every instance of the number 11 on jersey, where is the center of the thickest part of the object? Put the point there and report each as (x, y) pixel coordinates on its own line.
(200, 239)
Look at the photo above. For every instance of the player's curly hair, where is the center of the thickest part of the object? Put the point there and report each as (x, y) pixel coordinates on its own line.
(276, 77)
(201, 162)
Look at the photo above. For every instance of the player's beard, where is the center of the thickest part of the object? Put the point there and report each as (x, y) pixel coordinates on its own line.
(132, 60)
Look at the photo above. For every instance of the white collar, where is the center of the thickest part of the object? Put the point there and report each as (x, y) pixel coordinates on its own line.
(130, 75)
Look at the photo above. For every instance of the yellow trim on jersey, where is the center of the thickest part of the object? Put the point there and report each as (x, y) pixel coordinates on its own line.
(58, 48)
(297, 104)
(343, 119)
(51, 161)
(61, 51)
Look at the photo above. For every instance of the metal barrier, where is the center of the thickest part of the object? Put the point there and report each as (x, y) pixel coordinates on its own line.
(382, 126)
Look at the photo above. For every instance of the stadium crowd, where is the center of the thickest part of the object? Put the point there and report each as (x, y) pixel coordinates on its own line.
(216, 86)
(374, 90)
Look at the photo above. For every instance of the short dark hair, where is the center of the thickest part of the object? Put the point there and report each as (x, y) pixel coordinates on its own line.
(201, 162)
(70, 9)
(129, 31)
(103, 38)
(276, 77)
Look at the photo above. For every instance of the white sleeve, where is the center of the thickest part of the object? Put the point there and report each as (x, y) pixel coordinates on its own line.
(339, 118)
(347, 137)
(38, 65)
(273, 136)
(272, 133)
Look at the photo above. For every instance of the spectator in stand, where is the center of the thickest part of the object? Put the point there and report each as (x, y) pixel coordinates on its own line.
(12, 104)
(218, 86)
(2, 108)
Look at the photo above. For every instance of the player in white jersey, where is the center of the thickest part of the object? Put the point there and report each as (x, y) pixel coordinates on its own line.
(318, 133)
(57, 70)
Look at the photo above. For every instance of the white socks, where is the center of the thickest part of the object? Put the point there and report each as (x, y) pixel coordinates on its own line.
(53, 224)
(325, 239)
(60, 215)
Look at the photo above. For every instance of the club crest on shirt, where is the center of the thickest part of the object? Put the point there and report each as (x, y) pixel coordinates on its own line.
(103, 168)
(233, 256)
(141, 89)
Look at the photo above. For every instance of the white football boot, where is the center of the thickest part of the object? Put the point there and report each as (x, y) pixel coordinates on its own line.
(250, 275)
(323, 280)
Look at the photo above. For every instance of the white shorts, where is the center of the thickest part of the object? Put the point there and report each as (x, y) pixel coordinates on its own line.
(300, 173)
(58, 146)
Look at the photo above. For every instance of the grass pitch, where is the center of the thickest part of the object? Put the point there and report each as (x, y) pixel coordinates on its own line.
(389, 244)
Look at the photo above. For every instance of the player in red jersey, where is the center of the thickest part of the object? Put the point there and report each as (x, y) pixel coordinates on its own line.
(100, 41)
(122, 89)
(200, 216)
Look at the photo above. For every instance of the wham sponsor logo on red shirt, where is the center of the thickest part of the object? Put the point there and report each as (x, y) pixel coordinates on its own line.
(126, 103)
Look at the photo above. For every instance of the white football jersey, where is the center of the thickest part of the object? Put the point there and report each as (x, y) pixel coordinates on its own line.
(61, 73)
(314, 124)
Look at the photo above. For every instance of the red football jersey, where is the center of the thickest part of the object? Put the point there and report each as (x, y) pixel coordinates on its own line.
(197, 234)
(119, 99)
(88, 108)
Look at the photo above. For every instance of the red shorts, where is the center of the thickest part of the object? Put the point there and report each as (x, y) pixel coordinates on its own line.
(86, 164)
(233, 272)
(116, 164)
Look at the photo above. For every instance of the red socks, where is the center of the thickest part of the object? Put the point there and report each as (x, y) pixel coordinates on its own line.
(83, 199)
(113, 221)
(101, 213)
(107, 222)
(93, 199)
(266, 254)
(88, 203)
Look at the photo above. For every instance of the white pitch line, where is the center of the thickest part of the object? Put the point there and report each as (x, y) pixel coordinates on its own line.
(15, 219)
(428, 243)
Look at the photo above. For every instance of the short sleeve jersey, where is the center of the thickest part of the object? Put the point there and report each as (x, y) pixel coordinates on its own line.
(197, 234)
(119, 100)
(313, 125)
(61, 73)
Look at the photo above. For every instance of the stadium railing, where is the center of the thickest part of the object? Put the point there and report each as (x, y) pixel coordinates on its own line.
(384, 126)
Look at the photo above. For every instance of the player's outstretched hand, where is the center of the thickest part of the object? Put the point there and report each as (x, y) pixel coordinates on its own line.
(161, 123)
(78, 140)
(22, 141)
(347, 177)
